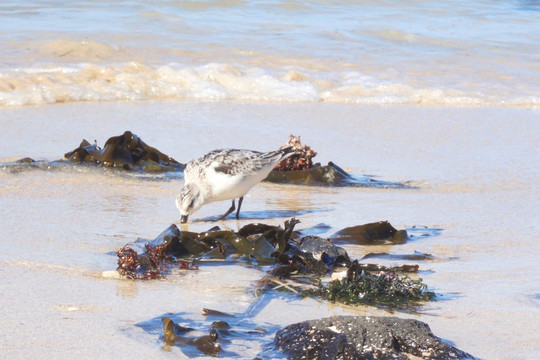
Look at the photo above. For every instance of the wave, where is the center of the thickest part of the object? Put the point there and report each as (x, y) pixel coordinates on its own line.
(38, 85)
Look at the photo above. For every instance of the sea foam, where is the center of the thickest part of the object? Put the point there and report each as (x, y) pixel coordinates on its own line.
(220, 81)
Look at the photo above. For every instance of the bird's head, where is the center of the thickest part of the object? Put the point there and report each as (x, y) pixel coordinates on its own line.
(189, 201)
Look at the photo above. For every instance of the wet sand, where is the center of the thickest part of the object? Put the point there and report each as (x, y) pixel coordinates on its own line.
(476, 170)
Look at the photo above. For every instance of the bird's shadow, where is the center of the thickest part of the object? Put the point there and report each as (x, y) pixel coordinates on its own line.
(262, 215)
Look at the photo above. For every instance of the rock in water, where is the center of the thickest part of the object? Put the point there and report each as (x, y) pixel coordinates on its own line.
(358, 337)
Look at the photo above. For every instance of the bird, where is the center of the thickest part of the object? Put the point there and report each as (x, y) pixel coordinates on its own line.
(225, 174)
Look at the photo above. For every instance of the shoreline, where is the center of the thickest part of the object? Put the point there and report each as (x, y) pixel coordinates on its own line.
(70, 222)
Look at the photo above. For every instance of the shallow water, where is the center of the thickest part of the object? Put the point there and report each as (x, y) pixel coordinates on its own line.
(367, 52)
(442, 95)
(477, 177)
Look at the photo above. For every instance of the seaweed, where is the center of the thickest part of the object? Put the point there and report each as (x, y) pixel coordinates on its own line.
(149, 265)
(126, 152)
(129, 154)
(301, 160)
(175, 334)
(376, 233)
(387, 289)
(210, 336)
(252, 244)
(298, 264)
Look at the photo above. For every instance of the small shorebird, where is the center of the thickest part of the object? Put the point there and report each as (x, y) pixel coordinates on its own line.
(223, 175)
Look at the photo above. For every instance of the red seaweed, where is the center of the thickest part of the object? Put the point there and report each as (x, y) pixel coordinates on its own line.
(301, 160)
(148, 266)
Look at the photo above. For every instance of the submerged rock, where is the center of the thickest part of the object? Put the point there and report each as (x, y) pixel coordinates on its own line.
(416, 256)
(357, 337)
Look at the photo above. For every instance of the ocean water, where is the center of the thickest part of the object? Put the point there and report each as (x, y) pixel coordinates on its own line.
(441, 95)
(364, 52)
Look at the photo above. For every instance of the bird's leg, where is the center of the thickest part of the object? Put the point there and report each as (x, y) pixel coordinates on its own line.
(239, 206)
(231, 209)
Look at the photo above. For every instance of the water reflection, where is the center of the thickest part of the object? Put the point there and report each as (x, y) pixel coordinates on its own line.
(224, 334)
(265, 214)
(127, 289)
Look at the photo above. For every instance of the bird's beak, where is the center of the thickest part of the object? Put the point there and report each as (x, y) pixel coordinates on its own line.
(183, 219)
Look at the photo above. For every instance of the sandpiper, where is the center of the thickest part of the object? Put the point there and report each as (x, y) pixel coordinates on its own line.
(225, 174)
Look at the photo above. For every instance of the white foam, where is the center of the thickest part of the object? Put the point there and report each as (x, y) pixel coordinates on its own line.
(219, 81)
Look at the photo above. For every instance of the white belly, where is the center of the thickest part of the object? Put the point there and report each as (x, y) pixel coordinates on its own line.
(226, 187)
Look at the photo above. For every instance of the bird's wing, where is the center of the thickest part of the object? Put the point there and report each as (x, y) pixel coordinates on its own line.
(235, 162)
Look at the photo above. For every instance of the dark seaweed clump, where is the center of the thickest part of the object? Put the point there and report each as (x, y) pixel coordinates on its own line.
(382, 289)
(252, 244)
(130, 153)
(301, 160)
(126, 151)
(149, 265)
(297, 263)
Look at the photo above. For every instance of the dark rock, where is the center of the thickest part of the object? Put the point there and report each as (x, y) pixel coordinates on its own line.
(356, 337)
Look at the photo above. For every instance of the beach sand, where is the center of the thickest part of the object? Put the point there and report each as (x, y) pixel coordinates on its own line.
(475, 168)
